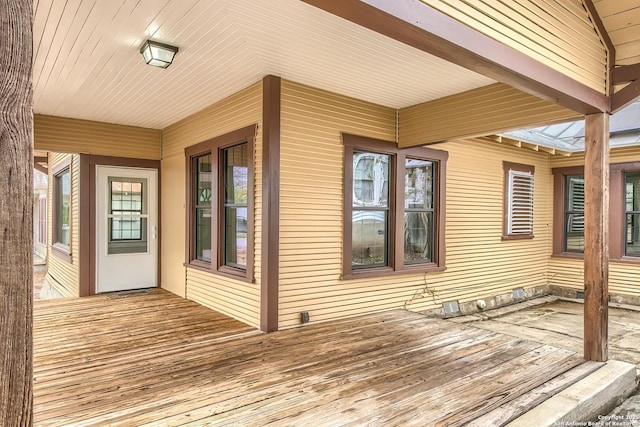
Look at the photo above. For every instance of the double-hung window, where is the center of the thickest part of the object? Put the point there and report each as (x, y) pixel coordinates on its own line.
(624, 212)
(568, 211)
(61, 239)
(394, 208)
(632, 214)
(220, 200)
(371, 208)
(574, 214)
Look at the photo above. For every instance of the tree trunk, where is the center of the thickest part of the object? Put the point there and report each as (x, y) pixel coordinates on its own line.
(16, 213)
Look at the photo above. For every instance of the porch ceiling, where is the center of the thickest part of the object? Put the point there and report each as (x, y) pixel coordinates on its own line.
(87, 63)
(621, 19)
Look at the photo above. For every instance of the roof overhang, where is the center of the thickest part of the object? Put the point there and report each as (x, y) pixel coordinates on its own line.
(416, 24)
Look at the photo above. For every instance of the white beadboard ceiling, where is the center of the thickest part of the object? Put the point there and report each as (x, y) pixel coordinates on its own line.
(87, 63)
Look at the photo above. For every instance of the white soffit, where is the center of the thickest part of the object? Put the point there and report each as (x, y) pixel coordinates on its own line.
(87, 63)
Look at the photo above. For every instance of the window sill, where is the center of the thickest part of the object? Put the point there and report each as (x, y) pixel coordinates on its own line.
(62, 252)
(386, 271)
(518, 237)
(223, 271)
(569, 255)
(627, 260)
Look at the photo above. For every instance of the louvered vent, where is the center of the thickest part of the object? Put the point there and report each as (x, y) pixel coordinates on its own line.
(520, 200)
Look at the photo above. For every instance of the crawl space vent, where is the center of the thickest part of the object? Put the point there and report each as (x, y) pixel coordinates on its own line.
(518, 293)
(451, 307)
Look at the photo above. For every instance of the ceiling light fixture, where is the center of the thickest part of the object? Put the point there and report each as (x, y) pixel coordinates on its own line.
(158, 54)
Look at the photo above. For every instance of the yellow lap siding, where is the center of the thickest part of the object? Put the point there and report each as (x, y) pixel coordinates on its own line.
(479, 263)
(569, 272)
(559, 34)
(234, 298)
(62, 274)
(60, 134)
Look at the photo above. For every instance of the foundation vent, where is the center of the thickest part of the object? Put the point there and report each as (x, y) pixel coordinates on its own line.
(451, 307)
(518, 293)
(580, 295)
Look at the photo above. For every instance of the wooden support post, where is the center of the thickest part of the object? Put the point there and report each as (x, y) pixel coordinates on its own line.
(596, 237)
(16, 213)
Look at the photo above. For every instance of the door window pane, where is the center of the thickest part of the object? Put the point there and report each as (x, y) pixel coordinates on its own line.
(127, 222)
(236, 170)
(203, 208)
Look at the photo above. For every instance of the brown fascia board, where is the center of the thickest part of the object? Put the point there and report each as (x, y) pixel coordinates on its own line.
(425, 28)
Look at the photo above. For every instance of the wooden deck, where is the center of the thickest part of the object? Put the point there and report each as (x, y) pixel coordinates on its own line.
(151, 358)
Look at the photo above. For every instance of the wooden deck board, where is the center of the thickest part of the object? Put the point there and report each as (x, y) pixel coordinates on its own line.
(151, 358)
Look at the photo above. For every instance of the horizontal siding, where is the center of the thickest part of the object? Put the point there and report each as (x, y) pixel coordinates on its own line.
(623, 276)
(616, 155)
(232, 297)
(557, 33)
(62, 275)
(59, 134)
(488, 110)
(569, 273)
(241, 109)
(479, 263)
(235, 299)
(311, 205)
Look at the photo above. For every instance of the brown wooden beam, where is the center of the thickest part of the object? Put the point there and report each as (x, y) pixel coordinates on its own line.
(596, 237)
(625, 96)
(423, 27)
(16, 214)
(626, 74)
(40, 168)
(39, 163)
(270, 204)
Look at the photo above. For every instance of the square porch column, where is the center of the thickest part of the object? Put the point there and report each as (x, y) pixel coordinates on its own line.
(596, 237)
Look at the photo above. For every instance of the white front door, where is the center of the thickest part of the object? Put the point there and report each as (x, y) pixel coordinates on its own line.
(127, 228)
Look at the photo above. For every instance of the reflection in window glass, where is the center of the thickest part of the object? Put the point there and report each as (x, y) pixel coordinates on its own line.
(418, 211)
(63, 207)
(236, 170)
(203, 208)
(632, 213)
(574, 213)
(370, 213)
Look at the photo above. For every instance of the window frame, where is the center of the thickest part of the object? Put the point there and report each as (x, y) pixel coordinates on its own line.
(60, 249)
(42, 220)
(395, 241)
(617, 210)
(215, 147)
(516, 167)
(559, 201)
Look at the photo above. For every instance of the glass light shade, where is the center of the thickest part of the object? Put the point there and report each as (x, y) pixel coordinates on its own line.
(158, 54)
